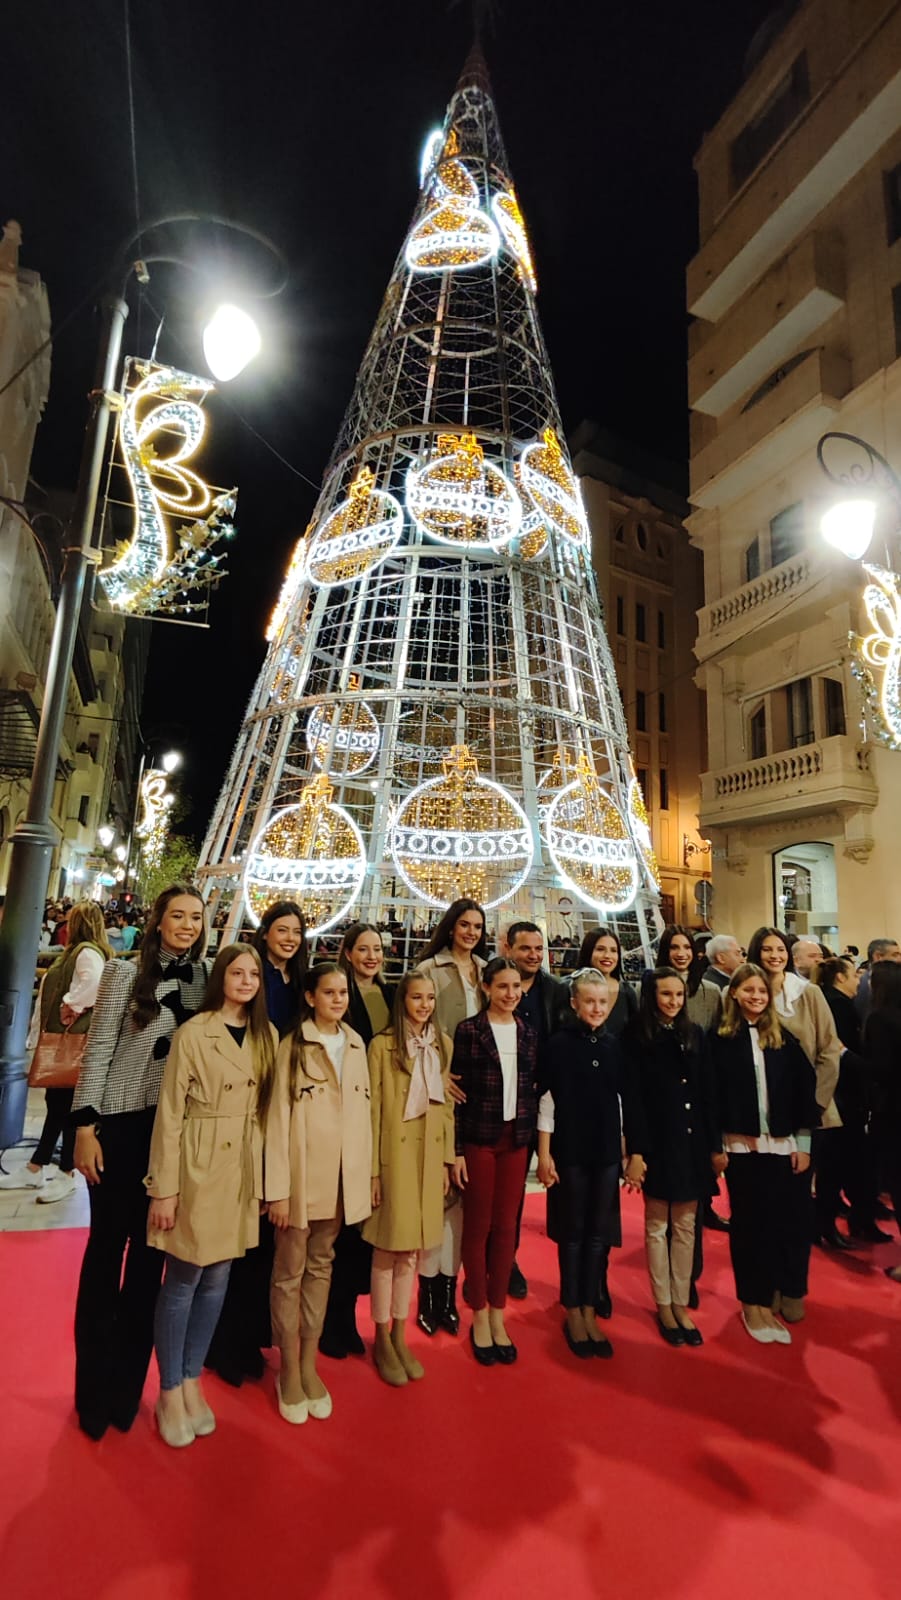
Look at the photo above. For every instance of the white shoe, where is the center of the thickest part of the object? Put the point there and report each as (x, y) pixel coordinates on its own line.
(778, 1335)
(292, 1413)
(763, 1335)
(321, 1408)
(58, 1188)
(23, 1178)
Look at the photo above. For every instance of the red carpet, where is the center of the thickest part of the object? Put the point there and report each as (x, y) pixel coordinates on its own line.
(661, 1473)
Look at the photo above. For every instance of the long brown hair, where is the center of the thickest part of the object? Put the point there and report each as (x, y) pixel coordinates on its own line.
(315, 975)
(826, 972)
(769, 1032)
(144, 1003)
(259, 1026)
(443, 936)
(297, 966)
(86, 926)
(398, 1025)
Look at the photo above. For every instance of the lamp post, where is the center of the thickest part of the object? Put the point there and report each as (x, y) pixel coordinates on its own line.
(863, 481)
(35, 838)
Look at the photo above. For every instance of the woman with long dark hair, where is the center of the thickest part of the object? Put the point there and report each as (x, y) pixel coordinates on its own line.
(138, 1008)
(601, 950)
(854, 1167)
(281, 942)
(677, 950)
(882, 1048)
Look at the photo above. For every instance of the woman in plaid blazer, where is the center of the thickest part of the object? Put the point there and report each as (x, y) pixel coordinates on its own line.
(495, 1062)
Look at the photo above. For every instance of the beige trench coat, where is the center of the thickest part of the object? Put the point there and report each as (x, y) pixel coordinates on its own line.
(321, 1136)
(813, 1026)
(450, 996)
(207, 1144)
(408, 1157)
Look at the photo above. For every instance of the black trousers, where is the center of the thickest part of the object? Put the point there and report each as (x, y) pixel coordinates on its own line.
(858, 1171)
(769, 1235)
(244, 1327)
(587, 1203)
(114, 1309)
(56, 1124)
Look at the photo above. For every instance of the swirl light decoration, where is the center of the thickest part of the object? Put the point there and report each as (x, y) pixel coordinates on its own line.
(550, 483)
(592, 849)
(460, 498)
(179, 517)
(312, 852)
(512, 225)
(878, 654)
(641, 832)
(152, 826)
(344, 737)
(461, 834)
(358, 535)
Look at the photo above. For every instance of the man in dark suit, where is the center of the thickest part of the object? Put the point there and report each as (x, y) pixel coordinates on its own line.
(724, 956)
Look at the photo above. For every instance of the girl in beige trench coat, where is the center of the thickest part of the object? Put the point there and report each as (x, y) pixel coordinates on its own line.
(412, 1158)
(318, 1164)
(206, 1176)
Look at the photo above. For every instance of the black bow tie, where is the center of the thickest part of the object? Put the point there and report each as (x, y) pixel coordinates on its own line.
(182, 970)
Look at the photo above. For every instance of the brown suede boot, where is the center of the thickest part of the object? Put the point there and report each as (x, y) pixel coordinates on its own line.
(388, 1364)
(413, 1368)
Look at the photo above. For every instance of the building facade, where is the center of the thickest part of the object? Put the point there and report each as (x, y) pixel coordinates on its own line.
(650, 580)
(796, 297)
(98, 757)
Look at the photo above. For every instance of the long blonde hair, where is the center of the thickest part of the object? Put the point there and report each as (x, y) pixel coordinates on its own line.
(768, 1030)
(398, 1024)
(86, 926)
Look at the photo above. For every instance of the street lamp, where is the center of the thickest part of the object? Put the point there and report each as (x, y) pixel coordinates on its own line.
(35, 838)
(170, 761)
(106, 835)
(862, 480)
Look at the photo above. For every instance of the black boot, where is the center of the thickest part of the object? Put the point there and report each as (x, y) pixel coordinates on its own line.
(427, 1314)
(446, 1297)
(352, 1339)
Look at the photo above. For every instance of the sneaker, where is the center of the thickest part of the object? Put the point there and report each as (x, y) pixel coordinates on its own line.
(58, 1188)
(23, 1178)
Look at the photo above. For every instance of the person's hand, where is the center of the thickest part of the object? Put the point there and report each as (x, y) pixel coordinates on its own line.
(547, 1172)
(719, 1161)
(88, 1155)
(376, 1193)
(800, 1160)
(162, 1213)
(454, 1090)
(635, 1172)
(278, 1213)
(67, 1015)
(461, 1176)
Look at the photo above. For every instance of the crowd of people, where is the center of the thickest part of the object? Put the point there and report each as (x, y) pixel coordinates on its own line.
(267, 1140)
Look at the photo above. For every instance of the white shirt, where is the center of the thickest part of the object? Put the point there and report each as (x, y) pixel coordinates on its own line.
(334, 1045)
(546, 1113)
(470, 997)
(792, 986)
(89, 966)
(765, 1144)
(505, 1039)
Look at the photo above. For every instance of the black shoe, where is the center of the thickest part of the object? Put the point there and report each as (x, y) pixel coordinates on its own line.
(253, 1363)
(227, 1367)
(714, 1221)
(446, 1307)
(517, 1288)
(505, 1354)
(94, 1427)
(333, 1344)
(353, 1341)
(486, 1354)
(602, 1348)
(427, 1311)
(694, 1299)
(692, 1337)
(868, 1233)
(673, 1336)
(831, 1239)
(882, 1212)
(579, 1347)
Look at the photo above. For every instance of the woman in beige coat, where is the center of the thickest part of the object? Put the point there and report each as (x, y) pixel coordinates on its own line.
(318, 1164)
(412, 1158)
(206, 1176)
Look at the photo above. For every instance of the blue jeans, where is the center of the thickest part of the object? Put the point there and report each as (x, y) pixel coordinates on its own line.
(186, 1315)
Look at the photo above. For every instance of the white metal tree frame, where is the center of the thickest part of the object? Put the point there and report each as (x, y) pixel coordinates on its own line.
(438, 712)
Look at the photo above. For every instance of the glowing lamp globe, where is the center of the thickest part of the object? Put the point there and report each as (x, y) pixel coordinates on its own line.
(848, 526)
(106, 835)
(311, 852)
(231, 339)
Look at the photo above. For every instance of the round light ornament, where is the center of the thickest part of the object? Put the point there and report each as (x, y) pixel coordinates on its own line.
(460, 498)
(452, 236)
(593, 850)
(461, 834)
(510, 220)
(358, 534)
(312, 852)
(550, 483)
(532, 539)
(641, 832)
(343, 739)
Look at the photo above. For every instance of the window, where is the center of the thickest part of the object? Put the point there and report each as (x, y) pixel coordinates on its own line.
(757, 730)
(620, 615)
(893, 203)
(661, 712)
(83, 804)
(833, 707)
(773, 119)
(799, 708)
(620, 534)
(641, 711)
(641, 534)
(664, 789)
(641, 625)
(787, 534)
(661, 631)
(642, 776)
(752, 561)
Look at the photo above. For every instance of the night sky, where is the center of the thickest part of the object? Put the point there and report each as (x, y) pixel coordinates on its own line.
(307, 122)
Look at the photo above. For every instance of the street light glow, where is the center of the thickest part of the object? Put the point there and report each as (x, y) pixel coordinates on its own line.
(848, 526)
(231, 339)
(106, 835)
(170, 761)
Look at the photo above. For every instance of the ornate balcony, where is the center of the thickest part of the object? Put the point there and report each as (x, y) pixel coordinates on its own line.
(831, 772)
(741, 617)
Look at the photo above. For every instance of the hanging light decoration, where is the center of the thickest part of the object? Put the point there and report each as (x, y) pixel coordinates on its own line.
(454, 233)
(877, 656)
(293, 579)
(532, 540)
(510, 220)
(551, 485)
(358, 535)
(153, 826)
(460, 498)
(590, 844)
(461, 834)
(641, 832)
(344, 738)
(311, 852)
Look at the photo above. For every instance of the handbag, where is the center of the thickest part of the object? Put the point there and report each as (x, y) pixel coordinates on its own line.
(56, 1062)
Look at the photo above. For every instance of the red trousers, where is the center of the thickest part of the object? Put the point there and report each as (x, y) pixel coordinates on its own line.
(497, 1176)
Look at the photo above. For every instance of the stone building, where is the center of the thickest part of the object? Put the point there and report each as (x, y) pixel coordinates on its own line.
(650, 581)
(796, 297)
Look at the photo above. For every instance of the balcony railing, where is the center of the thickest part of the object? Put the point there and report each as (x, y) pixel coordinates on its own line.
(829, 772)
(775, 584)
(795, 766)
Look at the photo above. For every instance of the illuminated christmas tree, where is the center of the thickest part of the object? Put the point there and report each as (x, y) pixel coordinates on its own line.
(438, 713)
